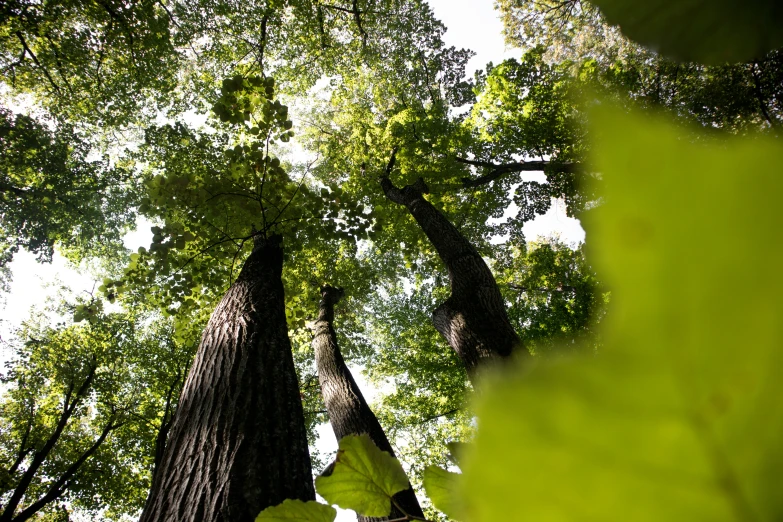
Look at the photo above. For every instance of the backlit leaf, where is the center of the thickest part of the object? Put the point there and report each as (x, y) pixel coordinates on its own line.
(362, 478)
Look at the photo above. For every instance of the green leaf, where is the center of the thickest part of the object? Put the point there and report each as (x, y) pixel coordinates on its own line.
(679, 418)
(441, 488)
(296, 510)
(362, 478)
(693, 30)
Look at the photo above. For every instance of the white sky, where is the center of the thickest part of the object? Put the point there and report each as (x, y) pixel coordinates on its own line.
(472, 24)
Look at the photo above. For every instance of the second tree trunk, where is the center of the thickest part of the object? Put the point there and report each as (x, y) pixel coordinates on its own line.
(349, 413)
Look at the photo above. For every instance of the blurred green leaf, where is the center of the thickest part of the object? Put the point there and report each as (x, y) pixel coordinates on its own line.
(680, 417)
(362, 478)
(296, 510)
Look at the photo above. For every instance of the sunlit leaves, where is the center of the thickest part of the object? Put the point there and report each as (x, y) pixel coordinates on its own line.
(362, 478)
(678, 418)
(568, 30)
(553, 293)
(251, 99)
(88, 311)
(53, 193)
(98, 62)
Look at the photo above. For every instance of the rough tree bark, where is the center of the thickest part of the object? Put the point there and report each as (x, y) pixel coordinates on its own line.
(349, 413)
(473, 320)
(238, 443)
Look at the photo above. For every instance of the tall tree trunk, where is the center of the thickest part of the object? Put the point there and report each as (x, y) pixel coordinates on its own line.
(238, 443)
(473, 320)
(349, 413)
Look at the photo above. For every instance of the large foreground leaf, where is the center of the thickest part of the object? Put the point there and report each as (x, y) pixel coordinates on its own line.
(362, 477)
(680, 417)
(707, 31)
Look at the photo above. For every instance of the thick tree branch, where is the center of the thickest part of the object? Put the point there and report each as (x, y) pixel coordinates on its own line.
(165, 424)
(5, 187)
(24, 450)
(35, 59)
(349, 413)
(496, 170)
(358, 18)
(560, 288)
(319, 14)
(337, 8)
(356, 12)
(438, 415)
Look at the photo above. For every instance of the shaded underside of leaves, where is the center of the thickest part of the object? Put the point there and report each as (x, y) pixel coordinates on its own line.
(710, 32)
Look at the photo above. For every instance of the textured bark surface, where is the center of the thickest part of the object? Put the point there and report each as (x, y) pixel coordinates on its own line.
(473, 320)
(349, 413)
(238, 443)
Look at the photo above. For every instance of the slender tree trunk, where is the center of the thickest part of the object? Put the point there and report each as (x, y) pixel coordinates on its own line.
(473, 320)
(349, 413)
(237, 444)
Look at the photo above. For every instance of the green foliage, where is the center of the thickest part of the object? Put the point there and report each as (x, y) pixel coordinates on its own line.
(297, 510)
(554, 296)
(524, 109)
(725, 31)
(734, 98)
(567, 29)
(657, 426)
(441, 488)
(52, 194)
(213, 199)
(89, 61)
(362, 478)
(81, 408)
(390, 84)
